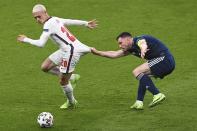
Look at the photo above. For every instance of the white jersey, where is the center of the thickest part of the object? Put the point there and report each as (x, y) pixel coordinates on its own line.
(55, 29)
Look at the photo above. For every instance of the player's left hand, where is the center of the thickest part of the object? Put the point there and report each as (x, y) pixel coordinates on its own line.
(21, 38)
(143, 52)
(92, 24)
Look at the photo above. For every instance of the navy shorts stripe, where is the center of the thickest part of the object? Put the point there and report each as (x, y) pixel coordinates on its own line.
(71, 51)
(70, 58)
(161, 66)
(155, 61)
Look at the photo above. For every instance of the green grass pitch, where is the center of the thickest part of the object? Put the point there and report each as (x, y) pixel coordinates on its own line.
(106, 88)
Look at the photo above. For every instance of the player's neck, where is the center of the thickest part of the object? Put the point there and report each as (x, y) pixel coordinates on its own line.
(47, 18)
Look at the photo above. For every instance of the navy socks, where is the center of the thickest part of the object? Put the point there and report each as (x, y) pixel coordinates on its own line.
(145, 83)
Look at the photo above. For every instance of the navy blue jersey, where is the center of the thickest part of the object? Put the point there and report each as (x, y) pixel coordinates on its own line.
(155, 46)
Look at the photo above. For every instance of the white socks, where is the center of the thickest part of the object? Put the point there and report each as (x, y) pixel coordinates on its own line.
(68, 91)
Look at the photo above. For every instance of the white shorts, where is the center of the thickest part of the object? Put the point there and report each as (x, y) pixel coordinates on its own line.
(67, 60)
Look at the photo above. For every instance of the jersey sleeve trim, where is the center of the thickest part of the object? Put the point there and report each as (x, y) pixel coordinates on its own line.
(139, 41)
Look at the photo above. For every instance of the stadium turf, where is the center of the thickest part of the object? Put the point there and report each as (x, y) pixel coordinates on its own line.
(106, 88)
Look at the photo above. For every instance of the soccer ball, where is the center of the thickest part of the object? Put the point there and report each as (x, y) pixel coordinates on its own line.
(45, 119)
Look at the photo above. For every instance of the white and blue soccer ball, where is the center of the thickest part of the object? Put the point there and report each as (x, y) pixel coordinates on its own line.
(45, 119)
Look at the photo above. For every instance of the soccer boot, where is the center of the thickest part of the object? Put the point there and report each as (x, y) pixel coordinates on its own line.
(68, 105)
(138, 105)
(74, 79)
(157, 99)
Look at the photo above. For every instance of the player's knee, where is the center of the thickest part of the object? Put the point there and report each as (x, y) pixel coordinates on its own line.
(44, 68)
(136, 72)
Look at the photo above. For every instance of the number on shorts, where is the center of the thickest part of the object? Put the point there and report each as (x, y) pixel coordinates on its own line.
(64, 63)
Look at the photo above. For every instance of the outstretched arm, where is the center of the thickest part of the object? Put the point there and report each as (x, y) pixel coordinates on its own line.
(90, 24)
(40, 42)
(109, 54)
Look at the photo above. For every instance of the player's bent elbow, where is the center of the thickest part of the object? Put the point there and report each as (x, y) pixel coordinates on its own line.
(44, 68)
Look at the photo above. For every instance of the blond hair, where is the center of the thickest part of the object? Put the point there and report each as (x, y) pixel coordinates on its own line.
(38, 8)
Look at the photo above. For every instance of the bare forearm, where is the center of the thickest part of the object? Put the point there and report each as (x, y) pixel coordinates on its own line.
(109, 54)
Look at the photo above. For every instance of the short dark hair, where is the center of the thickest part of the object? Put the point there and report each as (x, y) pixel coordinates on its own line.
(123, 34)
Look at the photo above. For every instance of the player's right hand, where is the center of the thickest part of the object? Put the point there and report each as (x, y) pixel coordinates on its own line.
(143, 52)
(92, 24)
(21, 38)
(94, 50)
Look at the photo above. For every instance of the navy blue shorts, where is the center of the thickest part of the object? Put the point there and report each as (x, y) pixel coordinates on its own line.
(161, 66)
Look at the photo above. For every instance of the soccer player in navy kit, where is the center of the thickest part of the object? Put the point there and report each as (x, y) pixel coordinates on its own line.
(159, 63)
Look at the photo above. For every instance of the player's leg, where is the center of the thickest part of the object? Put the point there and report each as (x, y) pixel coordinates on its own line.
(161, 67)
(67, 66)
(68, 91)
(145, 82)
(141, 73)
(51, 65)
(138, 73)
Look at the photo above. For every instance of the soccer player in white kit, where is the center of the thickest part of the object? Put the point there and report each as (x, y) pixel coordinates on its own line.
(70, 49)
